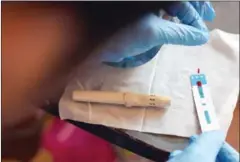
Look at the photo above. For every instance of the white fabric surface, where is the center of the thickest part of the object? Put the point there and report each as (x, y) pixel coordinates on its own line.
(166, 74)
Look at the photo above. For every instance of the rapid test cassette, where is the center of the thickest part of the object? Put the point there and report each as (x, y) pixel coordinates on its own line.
(203, 102)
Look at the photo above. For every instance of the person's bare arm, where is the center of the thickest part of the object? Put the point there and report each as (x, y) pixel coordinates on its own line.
(39, 42)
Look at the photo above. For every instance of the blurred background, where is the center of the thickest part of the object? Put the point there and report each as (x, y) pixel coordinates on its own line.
(227, 16)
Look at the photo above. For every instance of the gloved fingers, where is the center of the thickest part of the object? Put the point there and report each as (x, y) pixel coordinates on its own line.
(208, 143)
(134, 61)
(172, 33)
(174, 153)
(187, 14)
(227, 153)
(148, 32)
(205, 9)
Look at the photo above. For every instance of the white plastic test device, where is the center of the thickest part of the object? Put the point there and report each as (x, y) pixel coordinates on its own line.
(205, 109)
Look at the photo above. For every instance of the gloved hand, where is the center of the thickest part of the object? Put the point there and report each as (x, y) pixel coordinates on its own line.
(208, 147)
(227, 154)
(204, 9)
(150, 32)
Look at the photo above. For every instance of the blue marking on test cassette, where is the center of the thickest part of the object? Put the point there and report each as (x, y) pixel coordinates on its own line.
(207, 117)
(198, 77)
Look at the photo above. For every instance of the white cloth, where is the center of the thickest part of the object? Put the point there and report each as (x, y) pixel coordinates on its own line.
(166, 74)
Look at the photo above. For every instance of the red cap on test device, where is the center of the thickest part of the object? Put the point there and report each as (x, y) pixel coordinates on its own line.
(199, 84)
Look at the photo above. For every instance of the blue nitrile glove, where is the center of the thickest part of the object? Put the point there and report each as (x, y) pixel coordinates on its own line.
(204, 148)
(227, 154)
(150, 32)
(205, 9)
(208, 147)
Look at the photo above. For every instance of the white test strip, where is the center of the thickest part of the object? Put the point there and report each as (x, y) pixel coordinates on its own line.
(205, 109)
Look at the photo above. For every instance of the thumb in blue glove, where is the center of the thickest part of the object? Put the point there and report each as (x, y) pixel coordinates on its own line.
(204, 148)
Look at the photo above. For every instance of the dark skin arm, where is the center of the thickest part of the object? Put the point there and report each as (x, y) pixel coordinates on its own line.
(39, 42)
(38, 45)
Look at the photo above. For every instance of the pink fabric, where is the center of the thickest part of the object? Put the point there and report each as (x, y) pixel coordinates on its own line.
(68, 143)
